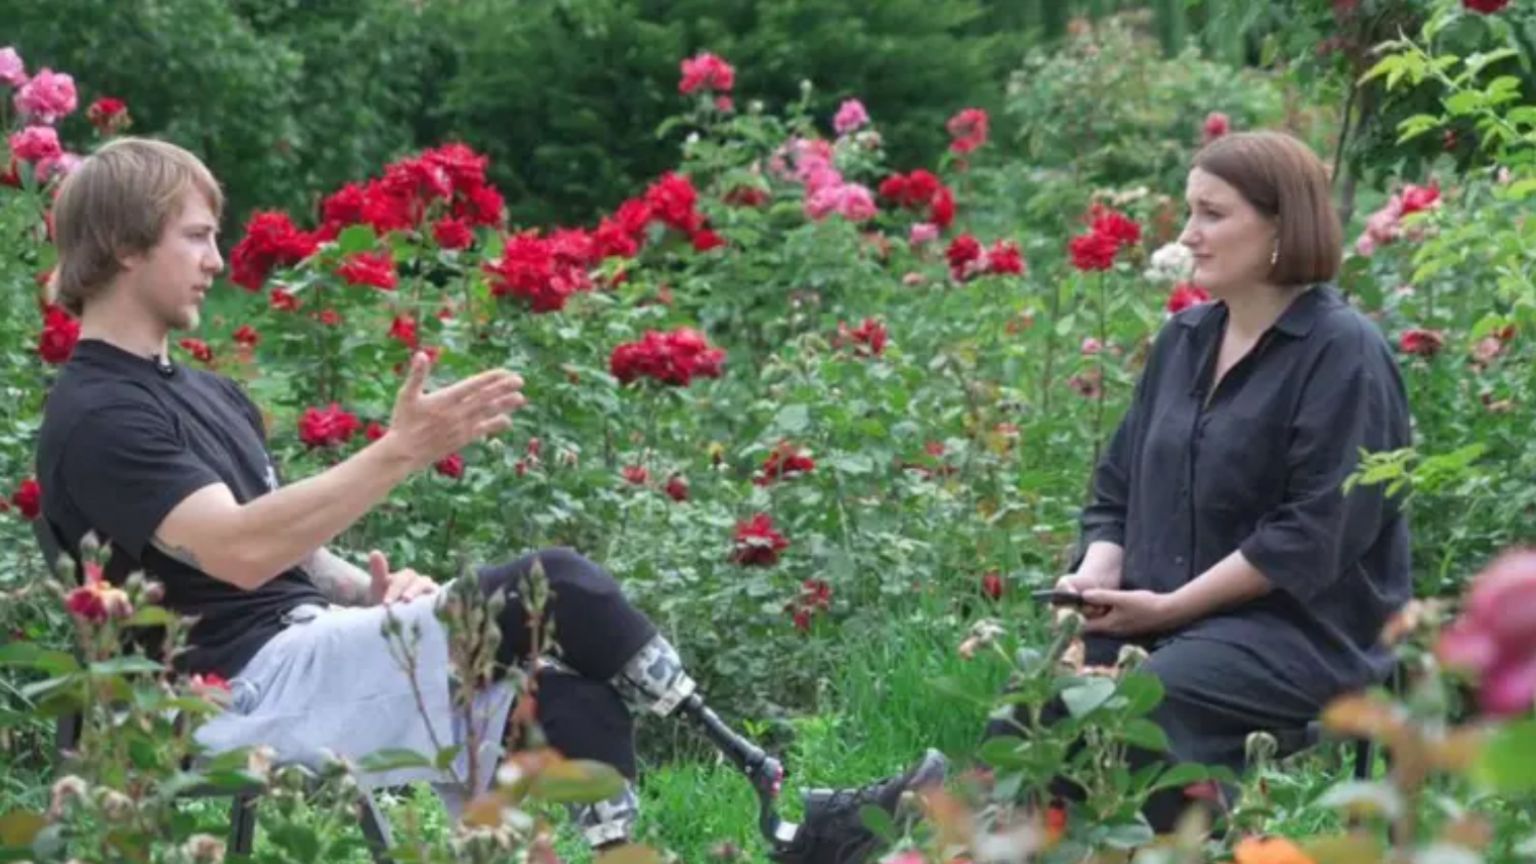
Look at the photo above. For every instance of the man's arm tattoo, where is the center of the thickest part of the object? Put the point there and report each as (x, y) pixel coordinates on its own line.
(342, 582)
(179, 553)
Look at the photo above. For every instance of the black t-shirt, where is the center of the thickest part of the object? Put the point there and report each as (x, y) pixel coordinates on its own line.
(124, 441)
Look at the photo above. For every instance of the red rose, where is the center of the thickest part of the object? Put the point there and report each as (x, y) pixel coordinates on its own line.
(1485, 7)
(329, 317)
(1004, 258)
(246, 335)
(674, 201)
(1421, 343)
(677, 488)
(374, 430)
(545, 272)
(1416, 199)
(271, 240)
(1115, 225)
(635, 475)
(706, 239)
(992, 584)
(815, 596)
(964, 256)
(674, 358)
(1216, 125)
(28, 499)
(968, 129)
(706, 71)
(369, 268)
(867, 340)
(198, 349)
(942, 212)
(1093, 251)
(1185, 295)
(783, 461)
(451, 466)
(282, 301)
(403, 330)
(757, 544)
(108, 115)
(323, 427)
(60, 333)
(451, 233)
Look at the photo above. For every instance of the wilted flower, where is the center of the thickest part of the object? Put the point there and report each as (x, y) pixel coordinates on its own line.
(97, 600)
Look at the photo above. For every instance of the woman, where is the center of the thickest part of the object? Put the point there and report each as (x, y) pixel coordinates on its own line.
(1219, 536)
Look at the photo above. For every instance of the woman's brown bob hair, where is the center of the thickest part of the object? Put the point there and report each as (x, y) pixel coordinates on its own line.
(1283, 179)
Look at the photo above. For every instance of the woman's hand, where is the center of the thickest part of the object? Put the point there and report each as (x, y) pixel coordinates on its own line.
(1084, 581)
(1131, 613)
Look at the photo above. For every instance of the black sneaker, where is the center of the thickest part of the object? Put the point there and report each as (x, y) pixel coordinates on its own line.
(834, 832)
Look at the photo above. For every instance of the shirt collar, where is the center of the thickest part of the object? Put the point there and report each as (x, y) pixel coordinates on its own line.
(1296, 320)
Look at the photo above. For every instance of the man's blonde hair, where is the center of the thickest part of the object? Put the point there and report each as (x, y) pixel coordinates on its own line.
(117, 202)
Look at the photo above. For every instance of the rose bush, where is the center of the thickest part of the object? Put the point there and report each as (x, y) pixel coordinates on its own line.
(775, 482)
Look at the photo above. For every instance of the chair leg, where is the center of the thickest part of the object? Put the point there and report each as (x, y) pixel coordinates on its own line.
(375, 828)
(242, 824)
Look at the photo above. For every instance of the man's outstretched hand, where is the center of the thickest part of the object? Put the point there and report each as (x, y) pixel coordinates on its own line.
(399, 586)
(426, 427)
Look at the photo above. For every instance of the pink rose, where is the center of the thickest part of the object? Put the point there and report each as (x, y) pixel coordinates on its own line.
(706, 71)
(1495, 636)
(850, 116)
(36, 143)
(923, 232)
(47, 97)
(12, 70)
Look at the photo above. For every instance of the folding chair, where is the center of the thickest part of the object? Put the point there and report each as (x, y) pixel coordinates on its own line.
(242, 812)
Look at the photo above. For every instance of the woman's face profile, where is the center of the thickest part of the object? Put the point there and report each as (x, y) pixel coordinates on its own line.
(1230, 240)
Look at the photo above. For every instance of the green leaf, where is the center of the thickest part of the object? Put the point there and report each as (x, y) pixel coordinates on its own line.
(151, 616)
(1142, 692)
(792, 419)
(1145, 734)
(358, 238)
(131, 664)
(880, 822)
(393, 759)
(1180, 775)
(1508, 762)
(1127, 835)
(29, 655)
(1089, 695)
(1002, 752)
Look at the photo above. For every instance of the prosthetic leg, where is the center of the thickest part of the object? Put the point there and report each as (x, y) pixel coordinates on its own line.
(833, 831)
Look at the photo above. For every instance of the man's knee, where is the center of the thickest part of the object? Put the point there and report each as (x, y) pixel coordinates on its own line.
(572, 575)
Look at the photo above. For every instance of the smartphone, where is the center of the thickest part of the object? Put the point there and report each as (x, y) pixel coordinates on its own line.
(1058, 597)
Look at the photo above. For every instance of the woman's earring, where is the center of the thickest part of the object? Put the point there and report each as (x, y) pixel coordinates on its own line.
(1274, 255)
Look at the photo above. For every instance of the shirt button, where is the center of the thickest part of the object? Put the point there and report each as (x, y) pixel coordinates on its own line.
(1179, 560)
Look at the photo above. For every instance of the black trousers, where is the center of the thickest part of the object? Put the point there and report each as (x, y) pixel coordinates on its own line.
(1216, 694)
(597, 631)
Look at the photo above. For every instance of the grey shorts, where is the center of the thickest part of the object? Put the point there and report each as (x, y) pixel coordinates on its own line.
(328, 685)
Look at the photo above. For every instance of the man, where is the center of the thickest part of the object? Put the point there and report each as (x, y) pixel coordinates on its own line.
(170, 466)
